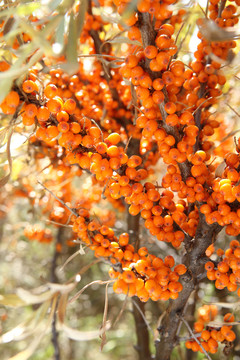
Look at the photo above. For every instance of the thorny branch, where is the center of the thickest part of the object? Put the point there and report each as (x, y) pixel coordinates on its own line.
(196, 247)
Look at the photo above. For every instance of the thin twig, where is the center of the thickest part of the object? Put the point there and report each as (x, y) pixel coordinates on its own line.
(194, 336)
(121, 311)
(235, 112)
(143, 316)
(57, 198)
(76, 296)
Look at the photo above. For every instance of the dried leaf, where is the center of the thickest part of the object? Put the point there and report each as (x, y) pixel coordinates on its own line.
(62, 305)
(62, 288)
(28, 327)
(79, 335)
(76, 296)
(212, 32)
(11, 300)
(3, 134)
(30, 298)
(25, 354)
(220, 324)
(5, 179)
(225, 304)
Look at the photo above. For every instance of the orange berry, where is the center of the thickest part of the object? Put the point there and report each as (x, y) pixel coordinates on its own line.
(50, 91)
(55, 104)
(29, 86)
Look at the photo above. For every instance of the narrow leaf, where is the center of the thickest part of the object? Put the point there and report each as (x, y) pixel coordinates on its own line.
(11, 300)
(79, 335)
(81, 16)
(30, 298)
(5, 179)
(62, 305)
(71, 49)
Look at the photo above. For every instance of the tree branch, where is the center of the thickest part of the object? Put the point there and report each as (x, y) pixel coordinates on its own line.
(205, 236)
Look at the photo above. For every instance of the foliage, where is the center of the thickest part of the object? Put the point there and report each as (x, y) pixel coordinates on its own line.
(120, 156)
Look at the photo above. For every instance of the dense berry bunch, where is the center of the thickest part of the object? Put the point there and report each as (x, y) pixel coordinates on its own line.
(208, 337)
(139, 131)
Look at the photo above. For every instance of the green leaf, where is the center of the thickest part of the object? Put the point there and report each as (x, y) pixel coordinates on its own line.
(131, 7)
(17, 70)
(28, 8)
(81, 16)
(54, 4)
(60, 32)
(21, 10)
(71, 49)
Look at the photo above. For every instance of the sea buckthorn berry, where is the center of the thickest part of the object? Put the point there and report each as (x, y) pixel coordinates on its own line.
(55, 104)
(150, 52)
(163, 59)
(170, 107)
(172, 120)
(62, 116)
(69, 106)
(163, 41)
(123, 239)
(52, 131)
(158, 97)
(12, 99)
(63, 127)
(169, 261)
(75, 127)
(198, 326)
(134, 161)
(94, 132)
(31, 110)
(27, 121)
(29, 86)
(180, 269)
(158, 84)
(145, 81)
(101, 147)
(43, 113)
(50, 91)
(113, 138)
(131, 61)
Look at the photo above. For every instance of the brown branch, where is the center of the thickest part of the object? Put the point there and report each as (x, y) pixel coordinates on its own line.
(205, 236)
(148, 35)
(221, 7)
(141, 326)
(142, 346)
(99, 47)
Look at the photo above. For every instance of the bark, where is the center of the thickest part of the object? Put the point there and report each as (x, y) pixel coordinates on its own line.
(194, 260)
(142, 346)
